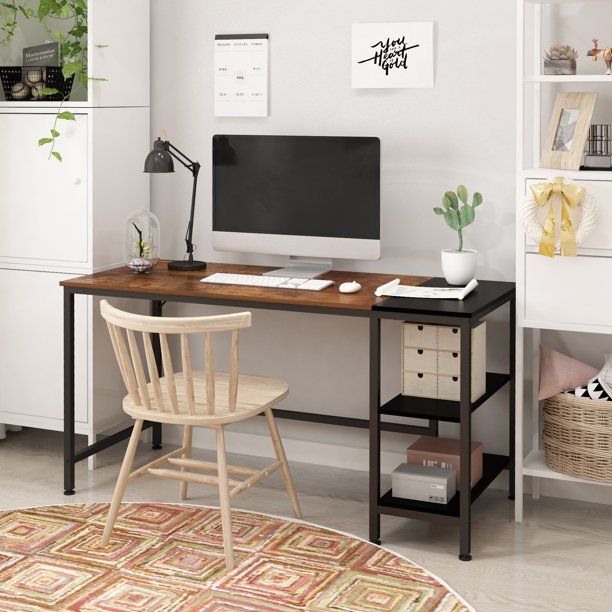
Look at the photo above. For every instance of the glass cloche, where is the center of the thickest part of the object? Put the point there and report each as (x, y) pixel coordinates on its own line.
(141, 241)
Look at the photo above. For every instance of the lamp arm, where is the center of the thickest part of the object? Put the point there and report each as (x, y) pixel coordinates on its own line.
(190, 163)
(195, 169)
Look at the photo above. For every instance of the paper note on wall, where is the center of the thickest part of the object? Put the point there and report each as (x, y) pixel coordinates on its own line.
(241, 75)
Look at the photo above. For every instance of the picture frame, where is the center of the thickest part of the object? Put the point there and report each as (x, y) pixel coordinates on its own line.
(568, 130)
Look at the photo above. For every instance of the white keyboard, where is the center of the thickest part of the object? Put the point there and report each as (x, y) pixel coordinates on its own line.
(281, 282)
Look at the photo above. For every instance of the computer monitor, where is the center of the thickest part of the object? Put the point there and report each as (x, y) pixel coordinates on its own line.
(303, 196)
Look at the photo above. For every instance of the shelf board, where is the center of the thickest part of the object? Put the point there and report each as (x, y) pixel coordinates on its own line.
(535, 465)
(437, 409)
(576, 175)
(570, 78)
(492, 467)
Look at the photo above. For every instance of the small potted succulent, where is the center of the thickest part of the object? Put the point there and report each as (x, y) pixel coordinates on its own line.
(459, 265)
(560, 60)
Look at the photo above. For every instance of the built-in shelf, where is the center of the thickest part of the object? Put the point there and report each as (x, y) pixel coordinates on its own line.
(570, 78)
(492, 467)
(437, 409)
(45, 105)
(535, 465)
(575, 175)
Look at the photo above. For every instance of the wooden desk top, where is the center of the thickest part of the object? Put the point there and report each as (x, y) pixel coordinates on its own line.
(169, 283)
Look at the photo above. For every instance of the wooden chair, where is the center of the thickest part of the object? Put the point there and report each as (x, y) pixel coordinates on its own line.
(189, 398)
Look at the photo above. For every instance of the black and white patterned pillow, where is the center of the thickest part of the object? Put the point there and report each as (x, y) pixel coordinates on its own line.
(592, 390)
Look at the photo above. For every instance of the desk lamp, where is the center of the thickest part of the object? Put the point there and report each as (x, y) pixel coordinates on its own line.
(159, 161)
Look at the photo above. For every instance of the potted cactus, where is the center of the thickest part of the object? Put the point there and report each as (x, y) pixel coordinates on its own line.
(459, 265)
(560, 60)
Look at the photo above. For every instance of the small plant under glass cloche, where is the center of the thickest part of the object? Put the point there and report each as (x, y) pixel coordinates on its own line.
(141, 242)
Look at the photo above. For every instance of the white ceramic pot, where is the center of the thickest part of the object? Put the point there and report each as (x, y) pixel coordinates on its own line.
(459, 267)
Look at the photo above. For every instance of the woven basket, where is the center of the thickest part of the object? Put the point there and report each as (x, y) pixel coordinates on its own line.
(578, 437)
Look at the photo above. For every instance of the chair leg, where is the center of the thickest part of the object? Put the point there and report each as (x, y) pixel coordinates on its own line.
(224, 500)
(285, 471)
(122, 481)
(187, 438)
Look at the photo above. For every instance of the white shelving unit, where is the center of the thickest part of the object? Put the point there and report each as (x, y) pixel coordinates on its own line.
(545, 299)
(59, 220)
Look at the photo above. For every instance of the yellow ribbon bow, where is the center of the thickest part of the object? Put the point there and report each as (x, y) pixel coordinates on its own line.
(571, 195)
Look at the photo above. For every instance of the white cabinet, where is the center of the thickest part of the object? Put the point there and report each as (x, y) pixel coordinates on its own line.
(59, 220)
(31, 372)
(43, 200)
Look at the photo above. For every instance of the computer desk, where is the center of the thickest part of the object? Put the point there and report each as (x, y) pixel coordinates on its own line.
(163, 285)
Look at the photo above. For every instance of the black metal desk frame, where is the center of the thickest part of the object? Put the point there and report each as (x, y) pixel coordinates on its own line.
(378, 505)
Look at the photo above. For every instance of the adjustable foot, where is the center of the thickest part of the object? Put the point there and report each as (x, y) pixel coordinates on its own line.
(377, 542)
(156, 446)
(511, 497)
(467, 557)
(68, 491)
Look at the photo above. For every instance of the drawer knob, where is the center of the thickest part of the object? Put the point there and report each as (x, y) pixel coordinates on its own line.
(455, 379)
(455, 330)
(420, 327)
(455, 355)
(420, 375)
(420, 351)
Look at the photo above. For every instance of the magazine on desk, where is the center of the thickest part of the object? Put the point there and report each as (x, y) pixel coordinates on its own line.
(394, 289)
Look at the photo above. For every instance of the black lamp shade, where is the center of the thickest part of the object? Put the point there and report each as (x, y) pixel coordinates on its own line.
(159, 160)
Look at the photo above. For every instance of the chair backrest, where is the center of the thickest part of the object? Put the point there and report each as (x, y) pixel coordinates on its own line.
(122, 325)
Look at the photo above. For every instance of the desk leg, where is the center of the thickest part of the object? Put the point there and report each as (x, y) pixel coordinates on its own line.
(156, 311)
(465, 437)
(512, 398)
(69, 462)
(374, 429)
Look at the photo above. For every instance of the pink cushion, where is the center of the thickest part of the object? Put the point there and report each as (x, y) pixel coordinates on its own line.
(558, 373)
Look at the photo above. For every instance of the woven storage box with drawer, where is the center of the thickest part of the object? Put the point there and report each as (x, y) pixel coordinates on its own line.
(578, 437)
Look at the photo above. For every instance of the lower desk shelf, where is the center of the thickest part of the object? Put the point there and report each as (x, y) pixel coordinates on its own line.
(492, 467)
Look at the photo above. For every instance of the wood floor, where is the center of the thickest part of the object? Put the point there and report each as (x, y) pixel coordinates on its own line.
(559, 559)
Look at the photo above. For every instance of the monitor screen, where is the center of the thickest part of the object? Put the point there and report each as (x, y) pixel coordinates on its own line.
(297, 186)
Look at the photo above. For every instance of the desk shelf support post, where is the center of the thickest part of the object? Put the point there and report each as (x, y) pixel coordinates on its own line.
(465, 446)
(374, 429)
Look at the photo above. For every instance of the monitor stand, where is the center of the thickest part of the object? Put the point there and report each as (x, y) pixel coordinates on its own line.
(303, 267)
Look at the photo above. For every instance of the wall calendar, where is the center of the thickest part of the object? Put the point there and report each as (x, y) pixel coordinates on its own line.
(241, 75)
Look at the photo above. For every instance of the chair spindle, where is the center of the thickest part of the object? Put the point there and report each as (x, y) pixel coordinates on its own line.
(210, 373)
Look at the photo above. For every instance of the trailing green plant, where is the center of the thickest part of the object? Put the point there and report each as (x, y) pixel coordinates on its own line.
(73, 48)
(457, 216)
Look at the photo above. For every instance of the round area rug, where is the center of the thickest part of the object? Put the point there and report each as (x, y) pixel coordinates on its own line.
(169, 557)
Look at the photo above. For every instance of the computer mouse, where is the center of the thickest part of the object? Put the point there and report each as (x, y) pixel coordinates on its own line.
(351, 287)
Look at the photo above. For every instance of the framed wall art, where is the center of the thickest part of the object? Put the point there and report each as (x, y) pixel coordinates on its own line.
(568, 131)
(392, 55)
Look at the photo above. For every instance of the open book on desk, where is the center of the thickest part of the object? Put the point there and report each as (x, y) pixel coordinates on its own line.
(394, 289)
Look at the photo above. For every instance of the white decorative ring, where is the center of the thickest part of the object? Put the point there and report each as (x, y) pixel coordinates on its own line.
(588, 219)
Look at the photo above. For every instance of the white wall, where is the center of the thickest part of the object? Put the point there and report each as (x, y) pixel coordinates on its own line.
(462, 131)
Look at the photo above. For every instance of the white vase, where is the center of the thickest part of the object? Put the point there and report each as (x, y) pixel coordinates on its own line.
(459, 267)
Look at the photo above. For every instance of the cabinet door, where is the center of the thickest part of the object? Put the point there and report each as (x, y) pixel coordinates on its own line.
(43, 203)
(31, 350)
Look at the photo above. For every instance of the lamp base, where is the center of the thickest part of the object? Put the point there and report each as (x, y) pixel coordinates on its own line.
(186, 265)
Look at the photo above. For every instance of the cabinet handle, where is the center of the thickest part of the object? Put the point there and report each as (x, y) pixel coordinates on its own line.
(77, 181)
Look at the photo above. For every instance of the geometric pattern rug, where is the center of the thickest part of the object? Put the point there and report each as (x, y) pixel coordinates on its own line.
(169, 558)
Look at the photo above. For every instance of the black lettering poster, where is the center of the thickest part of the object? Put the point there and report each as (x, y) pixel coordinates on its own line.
(392, 55)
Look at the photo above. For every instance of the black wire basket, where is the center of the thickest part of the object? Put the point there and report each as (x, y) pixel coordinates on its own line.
(32, 78)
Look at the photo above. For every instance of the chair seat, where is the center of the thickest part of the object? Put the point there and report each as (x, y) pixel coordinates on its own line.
(255, 394)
